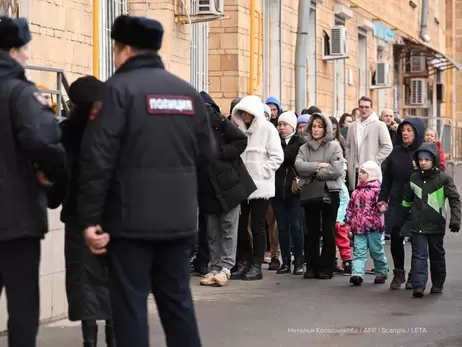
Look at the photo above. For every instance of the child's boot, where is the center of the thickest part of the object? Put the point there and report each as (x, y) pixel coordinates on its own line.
(347, 267)
(356, 280)
(399, 277)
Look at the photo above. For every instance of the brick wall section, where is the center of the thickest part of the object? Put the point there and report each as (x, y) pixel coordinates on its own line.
(62, 38)
(458, 56)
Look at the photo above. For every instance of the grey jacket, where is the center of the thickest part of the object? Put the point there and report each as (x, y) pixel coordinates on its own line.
(325, 151)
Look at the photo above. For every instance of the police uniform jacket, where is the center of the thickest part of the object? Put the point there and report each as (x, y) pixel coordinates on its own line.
(29, 139)
(140, 154)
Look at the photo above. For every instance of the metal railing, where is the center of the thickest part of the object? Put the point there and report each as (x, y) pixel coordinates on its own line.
(62, 85)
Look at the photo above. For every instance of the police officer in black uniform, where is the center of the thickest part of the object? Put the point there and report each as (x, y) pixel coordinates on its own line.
(30, 157)
(140, 153)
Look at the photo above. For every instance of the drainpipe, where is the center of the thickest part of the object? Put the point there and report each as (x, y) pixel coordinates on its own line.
(424, 22)
(96, 38)
(300, 54)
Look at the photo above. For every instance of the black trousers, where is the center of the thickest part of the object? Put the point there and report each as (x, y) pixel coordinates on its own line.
(423, 248)
(256, 209)
(200, 244)
(138, 267)
(397, 248)
(19, 275)
(320, 221)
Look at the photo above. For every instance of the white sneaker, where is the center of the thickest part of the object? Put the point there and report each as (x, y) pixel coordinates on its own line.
(221, 278)
(208, 279)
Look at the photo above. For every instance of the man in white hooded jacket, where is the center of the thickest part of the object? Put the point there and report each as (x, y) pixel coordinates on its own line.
(262, 158)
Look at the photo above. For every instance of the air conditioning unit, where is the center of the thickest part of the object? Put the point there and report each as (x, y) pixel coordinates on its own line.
(211, 7)
(382, 74)
(338, 41)
(418, 92)
(417, 64)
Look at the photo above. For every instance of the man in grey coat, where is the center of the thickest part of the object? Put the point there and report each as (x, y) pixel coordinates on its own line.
(368, 139)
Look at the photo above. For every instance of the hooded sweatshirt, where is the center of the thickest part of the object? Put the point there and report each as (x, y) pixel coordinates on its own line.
(264, 154)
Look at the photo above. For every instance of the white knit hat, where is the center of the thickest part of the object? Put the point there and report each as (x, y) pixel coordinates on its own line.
(290, 118)
(373, 170)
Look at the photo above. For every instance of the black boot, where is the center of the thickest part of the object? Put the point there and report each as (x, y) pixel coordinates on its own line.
(89, 333)
(240, 270)
(254, 273)
(285, 267)
(298, 266)
(275, 264)
(399, 277)
(408, 285)
(110, 334)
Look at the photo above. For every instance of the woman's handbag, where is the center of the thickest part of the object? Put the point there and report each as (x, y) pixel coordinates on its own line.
(295, 188)
(314, 192)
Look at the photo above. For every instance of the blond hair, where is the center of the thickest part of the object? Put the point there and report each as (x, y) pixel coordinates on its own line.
(434, 130)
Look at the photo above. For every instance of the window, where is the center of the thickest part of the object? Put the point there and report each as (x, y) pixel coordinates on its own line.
(362, 64)
(312, 59)
(199, 52)
(10, 8)
(109, 11)
(339, 80)
(275, 9)
(380, 92)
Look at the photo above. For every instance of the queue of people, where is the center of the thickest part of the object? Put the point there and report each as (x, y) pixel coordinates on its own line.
(329, 191)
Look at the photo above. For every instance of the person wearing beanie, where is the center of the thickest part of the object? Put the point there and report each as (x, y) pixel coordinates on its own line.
(399, 166)
(286, 203)
(32, 159)
(302, 121)
(262, 157)
(365, 220)
(423, 212)
(148, 141)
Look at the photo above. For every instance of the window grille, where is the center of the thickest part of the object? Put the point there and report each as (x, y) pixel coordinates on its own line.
(109, 11)
(199, 52)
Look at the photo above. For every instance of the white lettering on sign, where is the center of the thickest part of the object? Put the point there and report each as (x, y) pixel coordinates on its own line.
(166, 104)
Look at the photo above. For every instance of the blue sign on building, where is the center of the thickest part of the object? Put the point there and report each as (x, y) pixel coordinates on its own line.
(383, 32)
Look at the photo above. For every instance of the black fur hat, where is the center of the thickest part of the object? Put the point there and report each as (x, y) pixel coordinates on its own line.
(138, 32)
(14, 33)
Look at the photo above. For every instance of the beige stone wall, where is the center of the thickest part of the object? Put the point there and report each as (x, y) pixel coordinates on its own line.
(229, 75)
(458, 55)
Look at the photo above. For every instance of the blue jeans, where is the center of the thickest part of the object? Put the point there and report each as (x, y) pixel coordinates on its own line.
(424, 247)
(373, 243)
(289, 219)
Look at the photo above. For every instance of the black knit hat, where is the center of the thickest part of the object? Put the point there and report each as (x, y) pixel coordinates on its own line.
(14, 33)
(138, 32)
(85, 90)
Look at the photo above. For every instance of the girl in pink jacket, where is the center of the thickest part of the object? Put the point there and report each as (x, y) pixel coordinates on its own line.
(365, 221)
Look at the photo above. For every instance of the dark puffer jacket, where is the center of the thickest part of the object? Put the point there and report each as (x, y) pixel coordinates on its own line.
(424, 200)
(286, 173)
(225, 182)
(399, 166)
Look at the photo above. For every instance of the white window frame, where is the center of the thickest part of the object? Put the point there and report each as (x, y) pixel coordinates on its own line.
(199, 52)
(108, 12)
(339, 67)
(362, 59)
(275, 27)
(312, 58)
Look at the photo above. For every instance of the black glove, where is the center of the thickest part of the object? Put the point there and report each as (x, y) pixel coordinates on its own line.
(454, 228)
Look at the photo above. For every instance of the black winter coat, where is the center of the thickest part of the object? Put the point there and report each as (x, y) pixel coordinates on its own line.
(399, 166)
(140, 154)
(29, 139)
(286, 172)
(424, 201)
(225, 182)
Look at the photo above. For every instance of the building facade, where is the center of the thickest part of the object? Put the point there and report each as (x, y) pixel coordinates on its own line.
(353, 48)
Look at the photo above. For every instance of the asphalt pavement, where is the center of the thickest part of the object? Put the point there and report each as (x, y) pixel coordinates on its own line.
(284, 310)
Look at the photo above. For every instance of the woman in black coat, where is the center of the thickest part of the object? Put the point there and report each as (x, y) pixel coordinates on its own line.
(86, 274)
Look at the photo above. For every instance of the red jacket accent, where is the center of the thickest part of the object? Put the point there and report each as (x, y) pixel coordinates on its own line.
(442, 157)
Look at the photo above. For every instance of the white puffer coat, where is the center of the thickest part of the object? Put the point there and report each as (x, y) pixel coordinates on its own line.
(264, 153)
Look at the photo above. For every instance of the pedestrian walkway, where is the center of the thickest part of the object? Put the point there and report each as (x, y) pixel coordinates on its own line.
(283, 310)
